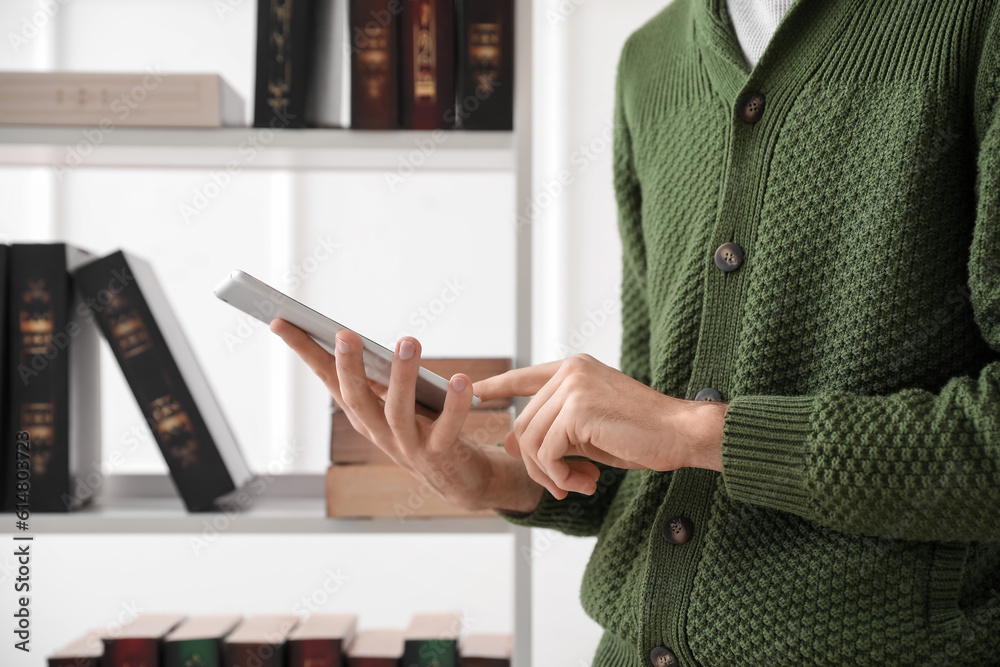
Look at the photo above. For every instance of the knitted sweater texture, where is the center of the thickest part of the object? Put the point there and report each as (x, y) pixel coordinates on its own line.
(857, 518)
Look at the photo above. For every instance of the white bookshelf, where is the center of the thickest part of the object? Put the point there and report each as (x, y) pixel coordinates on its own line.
(256, 148)
(294, 504)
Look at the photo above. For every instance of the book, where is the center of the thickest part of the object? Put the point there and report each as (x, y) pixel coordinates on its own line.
(328, 93)
(259, 641)
(487, 650)
(431, 640)
(134, 315)
(198, 641)
(8, 460)
(376, 648)
(486, 427)
(85, 651)
(106, 100)
(139, 642)
(373, 41)
(427, 95)
(384, 491)
(284, 58)
(320, 640)
(485, 64)
(53, 395)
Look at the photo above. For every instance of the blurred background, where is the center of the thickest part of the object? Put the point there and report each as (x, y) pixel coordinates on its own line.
(353, 245)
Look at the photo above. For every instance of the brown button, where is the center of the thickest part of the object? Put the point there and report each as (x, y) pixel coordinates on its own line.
(708, 394)
(678, 530)
(750, 106)
(728, 257)
(661, 656)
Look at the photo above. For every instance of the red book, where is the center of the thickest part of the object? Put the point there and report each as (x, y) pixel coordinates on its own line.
(138, 643)
(259, 642)
(428, 72)
(320, 640)
(487, 650)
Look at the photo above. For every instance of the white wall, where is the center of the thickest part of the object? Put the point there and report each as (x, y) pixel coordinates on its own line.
(270, 222)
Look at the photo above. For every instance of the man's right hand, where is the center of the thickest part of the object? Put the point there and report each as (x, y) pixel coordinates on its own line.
(464, 473)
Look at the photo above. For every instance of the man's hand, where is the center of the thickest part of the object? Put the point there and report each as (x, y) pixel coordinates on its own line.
(583, 408)
(462, 472)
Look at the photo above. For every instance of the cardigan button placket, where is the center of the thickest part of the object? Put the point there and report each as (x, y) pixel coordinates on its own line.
(750, 106)
(708, 394)
(728, 257)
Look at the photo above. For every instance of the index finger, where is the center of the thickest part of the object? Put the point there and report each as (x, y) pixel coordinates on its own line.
(516, 382)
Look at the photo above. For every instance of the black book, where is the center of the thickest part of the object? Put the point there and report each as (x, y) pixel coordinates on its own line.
(374, 44)
(53, 390)
(485, 64)
(284, 58)
(165, 377)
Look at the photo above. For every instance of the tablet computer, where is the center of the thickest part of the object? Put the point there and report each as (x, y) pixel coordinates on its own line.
(265, 303)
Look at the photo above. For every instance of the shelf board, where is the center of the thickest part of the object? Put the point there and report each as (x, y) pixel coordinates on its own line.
(256, 148)
(270, 515)
(288, 504)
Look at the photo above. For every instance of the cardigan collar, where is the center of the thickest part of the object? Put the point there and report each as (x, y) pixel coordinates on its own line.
(803, 37)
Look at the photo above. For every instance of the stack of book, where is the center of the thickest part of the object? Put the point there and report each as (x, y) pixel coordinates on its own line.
(321, 640)
(362, 481)
(56, 298)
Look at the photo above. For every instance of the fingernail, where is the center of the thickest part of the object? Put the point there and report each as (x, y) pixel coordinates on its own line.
(342, 346)
(406, 350)
(458, 384)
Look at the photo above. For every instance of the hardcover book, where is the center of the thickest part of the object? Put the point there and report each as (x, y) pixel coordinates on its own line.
(374, 64)
(376, 648)
(166, 379)
(198, 641)
(259, 641)
(431, 640)
(328, 94)
(321, 640)
(487, 650)
(485, 66)
(107, 99)
(428, 84)
(384, 491)
(53, 393)
(284, 59)
(139, 642)
(83, 652)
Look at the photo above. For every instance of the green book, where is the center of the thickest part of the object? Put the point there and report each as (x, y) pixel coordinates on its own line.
(198, 642)
(431, 640)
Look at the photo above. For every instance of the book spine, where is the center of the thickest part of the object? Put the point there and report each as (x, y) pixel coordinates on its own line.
(38, 390)
(255, 655)
(131, 652)
(485, 67)
(430, 653)
(284, 56)
(193, 653)
(372, 662)
(75, 662)
(374, 34)
(428, 83)
(120, 309)
(315, 653)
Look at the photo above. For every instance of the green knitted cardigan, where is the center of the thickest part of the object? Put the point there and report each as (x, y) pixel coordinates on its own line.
(857, 518)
